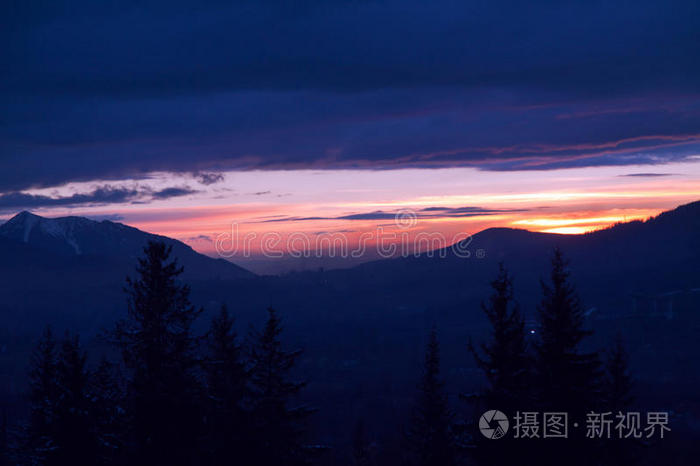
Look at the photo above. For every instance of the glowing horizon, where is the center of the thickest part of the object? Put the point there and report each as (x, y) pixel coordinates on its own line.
(352, 202)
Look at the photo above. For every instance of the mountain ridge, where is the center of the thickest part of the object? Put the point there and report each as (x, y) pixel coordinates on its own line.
(63, 235)
(67, 238)
(638, 278)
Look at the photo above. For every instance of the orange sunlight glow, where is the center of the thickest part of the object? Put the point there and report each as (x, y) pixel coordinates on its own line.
(546, 222)
(568, 230)
(351, 203)
(579, 224)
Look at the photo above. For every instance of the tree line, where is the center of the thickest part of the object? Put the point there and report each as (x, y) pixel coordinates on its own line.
(175, 398)
(550, 373)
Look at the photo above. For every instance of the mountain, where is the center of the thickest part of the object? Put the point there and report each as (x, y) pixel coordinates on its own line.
(78, 266)
(363, 328)
(78, 240)
(658, 255)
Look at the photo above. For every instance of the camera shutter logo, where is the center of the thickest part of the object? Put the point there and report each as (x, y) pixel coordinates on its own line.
(493, 424)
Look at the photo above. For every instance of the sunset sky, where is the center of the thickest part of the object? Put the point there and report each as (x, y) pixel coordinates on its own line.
(183, 118)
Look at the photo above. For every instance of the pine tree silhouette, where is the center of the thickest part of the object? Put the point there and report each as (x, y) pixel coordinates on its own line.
(617, 383)
(75, 434)
(4, 441)
(505, 361)
(159, 351)
(39, 441)
(430, 434)
(617, 398)
(507, 366)
(568, 377)
(277, 426)
(107, 399)
(360, 448)
(60, 430)
(226, 439)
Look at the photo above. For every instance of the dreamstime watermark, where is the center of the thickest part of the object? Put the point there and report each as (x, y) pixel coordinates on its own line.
(386, 241)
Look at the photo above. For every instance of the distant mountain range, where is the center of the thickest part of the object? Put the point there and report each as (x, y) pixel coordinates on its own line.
(85, 261)
(363, 328)
(652, 256)
(72, 240)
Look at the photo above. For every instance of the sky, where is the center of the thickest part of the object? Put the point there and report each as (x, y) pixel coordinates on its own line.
(185, 118)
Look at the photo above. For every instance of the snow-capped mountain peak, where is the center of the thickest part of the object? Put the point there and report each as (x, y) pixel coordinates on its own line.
(80, 236)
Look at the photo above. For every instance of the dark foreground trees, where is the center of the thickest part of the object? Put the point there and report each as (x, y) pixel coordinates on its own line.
(159, 352)
(275, 421)
(179, 399)
(616, 398)
(226, 436)
(430, 435)
(174, 398)
(76, 433)
(239, 410)
(617, 381)
(39, 441)
(62, 428)
(507, 366)
(504, 358)
(568, 378)
(557, 374)
(4, 441)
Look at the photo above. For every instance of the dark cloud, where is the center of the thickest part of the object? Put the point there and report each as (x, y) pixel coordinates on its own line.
(428, 212)
(200, 238)
(102, 195)
(166, 47)
(209, 178)
(378, 215)
(334, 232)
(459, 212)
(261, 193)
(173, 192)
(466, 210)
(99, 196)
(647, 175)
(110, 90)
(294, 219)
(109, 217)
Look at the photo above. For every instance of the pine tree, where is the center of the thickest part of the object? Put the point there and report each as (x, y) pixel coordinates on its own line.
(226, 377)
(360, 446)
(507, 366)
(277, 426)
(617, 385)
(107, 400)
(159, 350)
(568, 378)
(75, 435)
(39, 441)
(505, 361)
(60, 427)
(617, 398)
(430, 434)
(4, 441)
